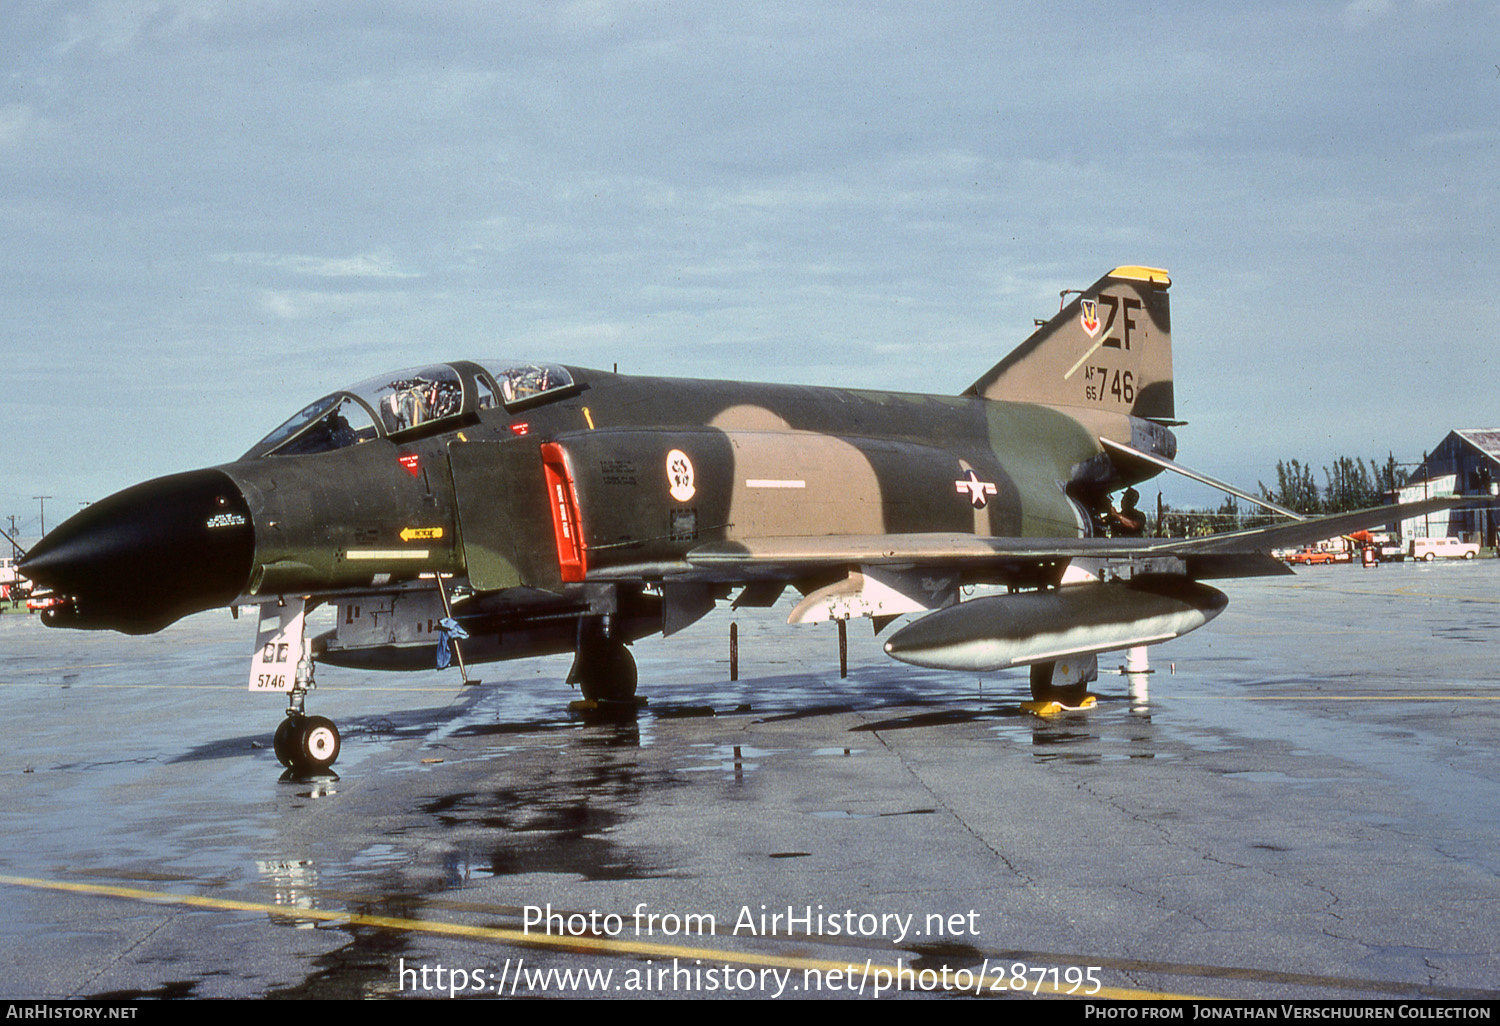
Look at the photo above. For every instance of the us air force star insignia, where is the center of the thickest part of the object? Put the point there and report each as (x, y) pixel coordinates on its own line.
(978, 490)
(680, 476)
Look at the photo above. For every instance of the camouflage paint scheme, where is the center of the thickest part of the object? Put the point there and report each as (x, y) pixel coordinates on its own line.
(571, 509)
(865, 463)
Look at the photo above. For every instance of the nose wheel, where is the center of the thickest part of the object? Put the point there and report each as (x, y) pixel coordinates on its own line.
(306, 744)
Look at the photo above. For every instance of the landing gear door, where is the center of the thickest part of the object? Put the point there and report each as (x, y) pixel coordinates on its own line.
(504, 517)
(278, 645)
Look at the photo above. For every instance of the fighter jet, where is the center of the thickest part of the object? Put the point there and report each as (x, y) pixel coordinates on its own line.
(493, 510)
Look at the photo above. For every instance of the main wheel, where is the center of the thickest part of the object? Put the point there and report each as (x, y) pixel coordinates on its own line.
(317, 745)
(1043, 690)
(607, 673)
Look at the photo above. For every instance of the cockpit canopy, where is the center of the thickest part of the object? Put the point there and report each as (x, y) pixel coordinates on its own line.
(398, 404)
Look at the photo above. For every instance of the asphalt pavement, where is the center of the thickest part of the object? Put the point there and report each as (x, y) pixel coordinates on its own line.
(1298, 802)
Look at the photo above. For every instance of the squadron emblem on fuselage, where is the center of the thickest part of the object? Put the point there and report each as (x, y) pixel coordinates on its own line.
(680, 476)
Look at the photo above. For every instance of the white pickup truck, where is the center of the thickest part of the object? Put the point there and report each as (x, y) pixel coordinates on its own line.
(1429, 549)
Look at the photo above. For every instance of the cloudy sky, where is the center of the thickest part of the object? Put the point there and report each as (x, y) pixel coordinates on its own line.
(213, 212)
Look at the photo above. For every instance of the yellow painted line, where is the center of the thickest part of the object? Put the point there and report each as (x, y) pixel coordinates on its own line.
(572, 945)
(89, 686)
(1336, 698)
(1439, 595)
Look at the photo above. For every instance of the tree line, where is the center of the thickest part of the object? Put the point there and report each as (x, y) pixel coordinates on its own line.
(1349, 483)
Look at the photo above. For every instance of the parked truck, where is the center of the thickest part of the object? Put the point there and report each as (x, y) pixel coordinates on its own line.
(1428, 549)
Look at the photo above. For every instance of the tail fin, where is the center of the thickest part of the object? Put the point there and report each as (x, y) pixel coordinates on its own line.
(1109, 349)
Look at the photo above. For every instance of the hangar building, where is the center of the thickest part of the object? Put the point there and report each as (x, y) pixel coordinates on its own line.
(1464, 463)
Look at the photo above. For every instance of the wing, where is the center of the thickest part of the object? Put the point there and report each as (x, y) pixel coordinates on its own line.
(1243, 553)
(886, 576)
(1305, 532)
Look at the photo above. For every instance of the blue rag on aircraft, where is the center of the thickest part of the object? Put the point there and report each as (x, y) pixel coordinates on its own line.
(448, 629)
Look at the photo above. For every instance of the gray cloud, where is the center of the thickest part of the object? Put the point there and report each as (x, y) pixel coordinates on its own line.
(210, 213)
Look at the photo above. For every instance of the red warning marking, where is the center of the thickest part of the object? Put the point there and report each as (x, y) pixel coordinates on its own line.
(412, 462)
(567, 529)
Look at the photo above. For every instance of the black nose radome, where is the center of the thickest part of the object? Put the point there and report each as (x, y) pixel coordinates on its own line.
(149, 555)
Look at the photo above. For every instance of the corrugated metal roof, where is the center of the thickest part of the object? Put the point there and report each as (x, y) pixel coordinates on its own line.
(1486, 440)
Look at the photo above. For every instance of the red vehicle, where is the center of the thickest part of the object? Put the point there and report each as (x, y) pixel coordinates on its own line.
(1310, 557)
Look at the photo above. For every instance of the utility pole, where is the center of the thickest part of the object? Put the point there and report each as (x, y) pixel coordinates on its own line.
(1391, 465)
(43, 500)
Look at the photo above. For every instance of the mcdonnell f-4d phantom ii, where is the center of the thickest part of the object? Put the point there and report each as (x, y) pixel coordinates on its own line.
(492, 510)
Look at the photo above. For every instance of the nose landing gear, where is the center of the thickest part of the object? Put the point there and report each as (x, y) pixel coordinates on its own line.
(305, 744)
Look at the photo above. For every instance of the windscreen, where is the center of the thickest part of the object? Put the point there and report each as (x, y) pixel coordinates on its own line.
(382, 405)
(333, 422)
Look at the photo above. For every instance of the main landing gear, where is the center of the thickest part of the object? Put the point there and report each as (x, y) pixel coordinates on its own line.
(603, 667)
(1062, 685)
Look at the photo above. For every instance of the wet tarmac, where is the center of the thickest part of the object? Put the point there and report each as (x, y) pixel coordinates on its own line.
(1299, 802)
